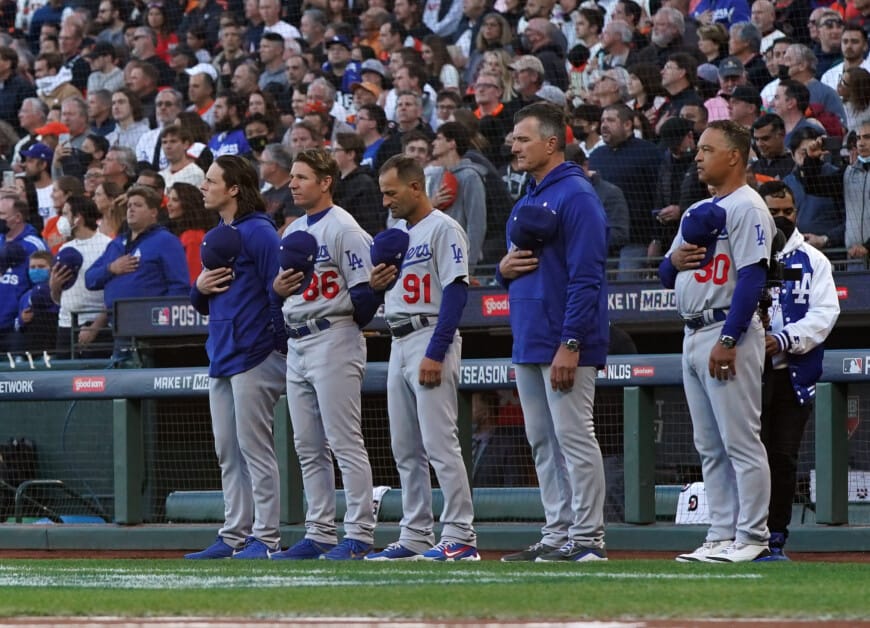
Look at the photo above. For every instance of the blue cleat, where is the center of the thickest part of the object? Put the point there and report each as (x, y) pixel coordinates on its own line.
(394, 551)
(218, 549)
(348, 549)
(451, 551)
(253, 549)
(306, 549)
(776, 549)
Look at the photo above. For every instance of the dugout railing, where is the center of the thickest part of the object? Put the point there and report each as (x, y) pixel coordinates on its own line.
(639, 377)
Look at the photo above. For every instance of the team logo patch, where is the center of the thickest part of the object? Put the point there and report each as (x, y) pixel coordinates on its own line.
(853, 366)
(160, 316)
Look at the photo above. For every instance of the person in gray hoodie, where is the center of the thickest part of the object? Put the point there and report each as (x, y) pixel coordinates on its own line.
(465, 187)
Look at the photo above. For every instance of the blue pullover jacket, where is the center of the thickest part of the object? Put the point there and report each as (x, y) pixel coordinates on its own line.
(162, 267)
(566, 297)
(14, 281)
(245, 323)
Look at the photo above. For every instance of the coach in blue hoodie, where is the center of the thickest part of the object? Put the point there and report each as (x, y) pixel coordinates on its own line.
(555, 275)
(246, 373)
(144, 261)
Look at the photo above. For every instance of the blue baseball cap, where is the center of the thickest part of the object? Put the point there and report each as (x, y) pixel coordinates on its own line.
(298, 251)
(533, 226)
(72, 259)
(390, 247)
(40, 297)
(220, 247)
(12, 255)
(702, 226)
(39, 151)
(341, 40)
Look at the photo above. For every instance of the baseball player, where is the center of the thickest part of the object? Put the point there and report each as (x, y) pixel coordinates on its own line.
(325, 363)
(423, 309)
(802, 313)
(718, 266)
(245, 370)
(555, 275)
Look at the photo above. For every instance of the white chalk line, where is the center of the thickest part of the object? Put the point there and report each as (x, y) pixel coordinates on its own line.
(190, 578)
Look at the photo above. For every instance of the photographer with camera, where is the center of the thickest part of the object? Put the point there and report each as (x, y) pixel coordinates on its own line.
(798, 315)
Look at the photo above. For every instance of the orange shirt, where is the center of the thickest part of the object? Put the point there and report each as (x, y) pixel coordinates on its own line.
(191, 240)
(51, 235)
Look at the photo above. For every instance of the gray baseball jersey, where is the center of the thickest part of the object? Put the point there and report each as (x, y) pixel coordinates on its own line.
(343, 261)
(746, 240)
(437, 256)
(423, 418)
(726, 415)
(324, 380)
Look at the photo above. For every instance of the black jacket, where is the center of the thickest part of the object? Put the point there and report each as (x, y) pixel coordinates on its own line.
(12, 94)
(553, 59)
(358, 193)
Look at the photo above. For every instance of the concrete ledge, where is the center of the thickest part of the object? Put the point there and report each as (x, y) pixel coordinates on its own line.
(656, 537)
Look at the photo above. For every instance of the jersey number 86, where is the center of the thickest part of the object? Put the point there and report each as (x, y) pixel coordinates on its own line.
(324, 284)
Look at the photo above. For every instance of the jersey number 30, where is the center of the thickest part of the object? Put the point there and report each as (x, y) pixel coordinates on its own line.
(417, 288)
(716, 271)
(324, 284)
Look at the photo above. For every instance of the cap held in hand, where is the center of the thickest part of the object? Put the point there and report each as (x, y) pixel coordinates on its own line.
(533, 226)
(72, 259)
(299, 251)
(220, 247)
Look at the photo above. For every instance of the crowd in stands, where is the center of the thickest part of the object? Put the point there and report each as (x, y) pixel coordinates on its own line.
(112, 111)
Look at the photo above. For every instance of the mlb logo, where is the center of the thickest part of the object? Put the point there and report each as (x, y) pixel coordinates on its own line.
(853, 366)
(160, 316)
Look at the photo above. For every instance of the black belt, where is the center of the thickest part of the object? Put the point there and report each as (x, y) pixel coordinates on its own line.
(402, 328)
(707, 317)
(308, 327)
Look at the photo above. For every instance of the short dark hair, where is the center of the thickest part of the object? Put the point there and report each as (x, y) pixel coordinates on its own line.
(86, 208)
(455, 132)
(238, 171)
(801, 135)
(268, 121)
(736, 135)
(774, 188)
(273, 37)
(769, 119)
(798, 92)
(322, 163)
(407, 169)
(551, 120)
(159, 184)
(351, 143)
(378, 115)
(587, 112)
(622, 111)
(854, 27)
(418, 72)
(415, 135)
(99, 142)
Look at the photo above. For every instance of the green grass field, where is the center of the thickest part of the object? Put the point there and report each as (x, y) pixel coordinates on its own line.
(491, 590)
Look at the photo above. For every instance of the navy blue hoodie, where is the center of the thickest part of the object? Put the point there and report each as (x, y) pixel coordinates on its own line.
(245, 323)
(14, 281)
(566, 297)
(162, 267)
